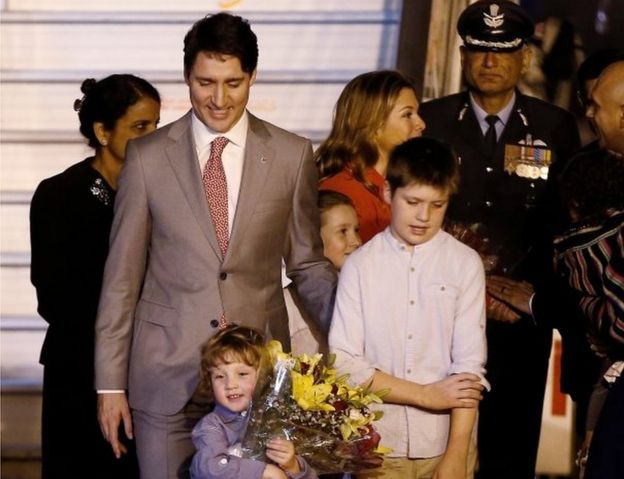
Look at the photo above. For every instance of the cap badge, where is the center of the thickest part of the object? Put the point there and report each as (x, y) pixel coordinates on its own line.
(493, 20)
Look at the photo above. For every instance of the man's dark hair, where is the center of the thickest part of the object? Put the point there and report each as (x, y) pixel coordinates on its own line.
(222, 34)
(424, 161)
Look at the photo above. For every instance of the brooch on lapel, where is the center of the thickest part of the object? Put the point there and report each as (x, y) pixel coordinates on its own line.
(100, 191)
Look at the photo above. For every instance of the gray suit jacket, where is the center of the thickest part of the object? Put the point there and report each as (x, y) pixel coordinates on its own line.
(165, 282)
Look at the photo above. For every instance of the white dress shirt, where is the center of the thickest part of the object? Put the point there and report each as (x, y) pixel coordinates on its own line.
(233, 156)
(418, 316)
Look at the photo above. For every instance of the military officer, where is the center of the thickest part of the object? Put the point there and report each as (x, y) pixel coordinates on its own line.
(508, 146)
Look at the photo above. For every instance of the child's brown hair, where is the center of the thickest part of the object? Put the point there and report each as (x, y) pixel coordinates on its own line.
(231, 344)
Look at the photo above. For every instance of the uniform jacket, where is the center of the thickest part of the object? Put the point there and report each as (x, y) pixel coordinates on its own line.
(516, 212)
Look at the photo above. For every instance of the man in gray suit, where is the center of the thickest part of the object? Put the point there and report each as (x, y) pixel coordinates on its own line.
(206, 209)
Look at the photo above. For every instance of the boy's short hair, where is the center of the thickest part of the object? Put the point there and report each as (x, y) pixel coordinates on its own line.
(424, 161)
(232, 343)
(327, 199)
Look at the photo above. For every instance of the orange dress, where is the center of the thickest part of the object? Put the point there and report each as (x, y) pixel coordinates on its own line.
(372, 211)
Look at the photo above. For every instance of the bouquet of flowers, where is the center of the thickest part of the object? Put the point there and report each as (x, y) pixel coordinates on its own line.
(329, 422)
(471, 235)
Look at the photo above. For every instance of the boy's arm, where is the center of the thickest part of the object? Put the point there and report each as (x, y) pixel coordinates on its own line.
(212, 459)
(456, 391)
(469, 347)
(455, 459)
(468, 354)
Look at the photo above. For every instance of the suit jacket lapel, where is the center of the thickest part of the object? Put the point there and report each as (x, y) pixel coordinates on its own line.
(258, 161)
(183, 159)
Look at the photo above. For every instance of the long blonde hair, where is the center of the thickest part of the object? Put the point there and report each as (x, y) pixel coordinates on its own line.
(362, 108)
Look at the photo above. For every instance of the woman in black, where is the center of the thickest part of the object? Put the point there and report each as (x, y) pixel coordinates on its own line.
(70, 221)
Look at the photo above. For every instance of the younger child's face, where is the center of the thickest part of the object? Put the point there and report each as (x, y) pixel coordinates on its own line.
(233, 384)
(340, 233)
(417, 212)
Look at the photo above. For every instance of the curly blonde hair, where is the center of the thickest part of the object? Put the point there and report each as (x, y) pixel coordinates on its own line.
(231, 344)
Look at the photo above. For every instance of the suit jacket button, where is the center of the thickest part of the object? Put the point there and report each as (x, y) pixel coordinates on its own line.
(214, 323)
(223, 275)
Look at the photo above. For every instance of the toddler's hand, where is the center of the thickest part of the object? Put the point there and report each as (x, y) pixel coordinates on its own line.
(273, 472)
(282, 452)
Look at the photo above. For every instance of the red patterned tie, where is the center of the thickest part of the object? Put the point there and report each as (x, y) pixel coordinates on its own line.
(215, 186)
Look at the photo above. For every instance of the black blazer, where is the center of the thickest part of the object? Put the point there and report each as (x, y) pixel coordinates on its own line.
(70, 221)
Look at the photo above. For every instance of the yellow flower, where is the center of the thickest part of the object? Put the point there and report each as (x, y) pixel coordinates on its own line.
(274, 348)
(310, 396)
(310, 361)
(383, 450)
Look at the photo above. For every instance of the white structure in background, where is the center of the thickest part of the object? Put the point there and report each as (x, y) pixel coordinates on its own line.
(308, 50)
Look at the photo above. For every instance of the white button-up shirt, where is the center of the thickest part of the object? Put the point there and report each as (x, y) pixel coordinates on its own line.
(419, 316)
(233, 156)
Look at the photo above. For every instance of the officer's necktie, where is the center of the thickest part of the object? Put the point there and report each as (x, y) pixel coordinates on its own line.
(490, 134)
(215, 186)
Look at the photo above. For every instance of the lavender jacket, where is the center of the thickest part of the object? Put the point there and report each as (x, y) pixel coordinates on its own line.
(214, 435)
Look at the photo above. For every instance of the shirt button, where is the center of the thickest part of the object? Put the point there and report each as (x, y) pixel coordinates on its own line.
(489, 169)
(223, 275)
(442, 288)
(214, 323)
(223, 461)
(412, 269)
(411, 301)
(409, 337)
(409, 371)
(488, 204)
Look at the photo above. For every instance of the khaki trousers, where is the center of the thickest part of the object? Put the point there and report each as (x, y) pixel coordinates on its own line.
(406, 468)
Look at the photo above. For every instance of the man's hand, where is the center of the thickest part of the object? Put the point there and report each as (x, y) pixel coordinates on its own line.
(458, 390)
(112, 409)
(516, 294)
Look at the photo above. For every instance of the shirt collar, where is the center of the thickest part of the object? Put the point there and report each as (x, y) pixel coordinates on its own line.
(400, 247)
(502, 115)
(230, 416)
(203, 136)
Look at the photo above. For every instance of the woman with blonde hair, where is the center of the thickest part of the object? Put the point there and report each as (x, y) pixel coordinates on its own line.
(375, 112)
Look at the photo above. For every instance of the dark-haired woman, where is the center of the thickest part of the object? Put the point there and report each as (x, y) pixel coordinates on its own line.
(70, 220)
(375, 112)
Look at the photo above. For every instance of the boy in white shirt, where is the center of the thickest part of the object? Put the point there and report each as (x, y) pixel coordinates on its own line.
(410, 317)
